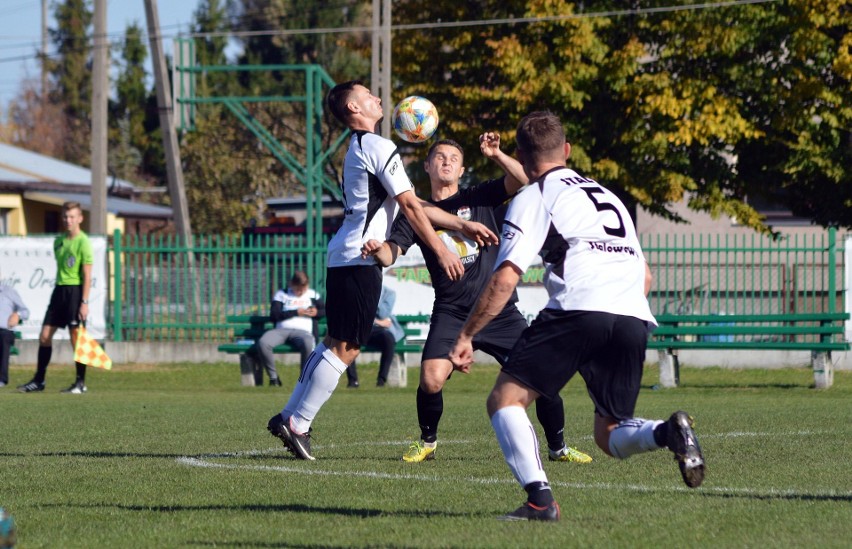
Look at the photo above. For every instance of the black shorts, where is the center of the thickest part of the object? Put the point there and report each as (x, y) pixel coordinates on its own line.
(352, 297)
(64, 308)
(496, 339)
(608, 350)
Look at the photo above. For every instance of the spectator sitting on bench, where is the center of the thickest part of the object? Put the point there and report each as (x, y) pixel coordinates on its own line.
(294, 312)
(384, 335)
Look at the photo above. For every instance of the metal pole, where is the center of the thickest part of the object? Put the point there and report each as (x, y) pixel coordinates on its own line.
(100, 92)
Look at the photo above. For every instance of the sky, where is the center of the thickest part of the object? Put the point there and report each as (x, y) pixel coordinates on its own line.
(20, 34)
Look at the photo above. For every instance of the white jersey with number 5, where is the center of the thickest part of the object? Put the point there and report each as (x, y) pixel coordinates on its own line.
(373, 175)
(587, 240)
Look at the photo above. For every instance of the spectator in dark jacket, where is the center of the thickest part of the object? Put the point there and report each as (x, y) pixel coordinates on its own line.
(295, 312)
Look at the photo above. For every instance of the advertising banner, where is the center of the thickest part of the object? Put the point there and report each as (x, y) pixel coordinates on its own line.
(28, 265)
(414, 295)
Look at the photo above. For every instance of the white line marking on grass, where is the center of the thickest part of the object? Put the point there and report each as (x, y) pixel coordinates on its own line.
(203, 462)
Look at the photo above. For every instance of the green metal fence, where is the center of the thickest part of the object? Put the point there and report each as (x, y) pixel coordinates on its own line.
(158, 295)
(745, 274)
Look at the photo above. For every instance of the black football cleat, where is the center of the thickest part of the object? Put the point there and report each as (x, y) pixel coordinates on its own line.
(683, 442)
(528, 511)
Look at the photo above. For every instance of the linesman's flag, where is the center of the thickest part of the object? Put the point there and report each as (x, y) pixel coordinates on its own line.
(89, 352)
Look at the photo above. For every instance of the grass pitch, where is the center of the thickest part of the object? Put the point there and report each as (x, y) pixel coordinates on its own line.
(179, 456)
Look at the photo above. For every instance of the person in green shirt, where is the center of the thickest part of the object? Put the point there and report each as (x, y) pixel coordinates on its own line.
(69, 302)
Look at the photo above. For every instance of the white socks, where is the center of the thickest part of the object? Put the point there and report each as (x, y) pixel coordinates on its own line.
(519, 443)
(315, 386)
(633, 436)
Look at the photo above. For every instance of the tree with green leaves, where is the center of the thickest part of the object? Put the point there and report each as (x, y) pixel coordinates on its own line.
(71, 74)
(128, 137)
(710, 103)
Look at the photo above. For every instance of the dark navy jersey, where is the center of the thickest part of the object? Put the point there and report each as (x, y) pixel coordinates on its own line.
(476, 203)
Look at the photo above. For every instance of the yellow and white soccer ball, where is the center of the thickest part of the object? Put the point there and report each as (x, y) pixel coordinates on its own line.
(415, 119)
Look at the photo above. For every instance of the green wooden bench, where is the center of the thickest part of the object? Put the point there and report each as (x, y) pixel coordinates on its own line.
(249, 328)
(819, 333)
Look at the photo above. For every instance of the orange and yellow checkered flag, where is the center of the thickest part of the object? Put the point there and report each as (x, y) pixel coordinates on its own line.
(89, 352)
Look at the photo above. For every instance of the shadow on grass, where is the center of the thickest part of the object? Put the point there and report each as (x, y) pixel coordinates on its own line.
(782, 497)
(283, 508)
(264, 544)
(98, 455)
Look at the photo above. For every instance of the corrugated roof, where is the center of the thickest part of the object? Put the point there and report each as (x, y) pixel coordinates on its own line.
(19, 165)
(118, 206)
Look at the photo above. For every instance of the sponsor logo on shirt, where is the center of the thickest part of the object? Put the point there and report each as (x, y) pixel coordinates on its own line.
(508, 234)
(70, 261)
(464, 213)
(393, 168)
(611, 248)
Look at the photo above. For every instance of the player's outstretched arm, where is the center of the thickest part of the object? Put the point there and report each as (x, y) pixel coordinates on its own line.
(474, 230)
(410, 206)
(385, 253)
(489, 144)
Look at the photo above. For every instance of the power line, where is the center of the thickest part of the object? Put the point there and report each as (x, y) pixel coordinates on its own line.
(430, 25)
(481, 22)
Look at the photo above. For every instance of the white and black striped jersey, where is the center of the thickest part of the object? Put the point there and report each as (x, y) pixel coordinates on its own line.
(373, 175)
(587, 240)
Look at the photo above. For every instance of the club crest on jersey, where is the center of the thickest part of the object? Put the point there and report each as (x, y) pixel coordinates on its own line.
(464, 213)
(71, 261)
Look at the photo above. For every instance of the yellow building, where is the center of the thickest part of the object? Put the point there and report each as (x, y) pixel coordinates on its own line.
(33, 188)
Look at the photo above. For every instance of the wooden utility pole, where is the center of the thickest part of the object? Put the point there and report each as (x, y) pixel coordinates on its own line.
(44, 50)
(100, 94)
(380, 77)
(174, 171)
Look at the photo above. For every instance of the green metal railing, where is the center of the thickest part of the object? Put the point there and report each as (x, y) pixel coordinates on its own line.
(745, 274)
(155, 297)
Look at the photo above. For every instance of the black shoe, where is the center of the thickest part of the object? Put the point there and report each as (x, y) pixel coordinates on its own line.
(683, 442)
(380, 383)
(31, 387)
(353, 385)
(278, 428)
(76, 388)
(299, 444)
(528, 511)
(275, 382)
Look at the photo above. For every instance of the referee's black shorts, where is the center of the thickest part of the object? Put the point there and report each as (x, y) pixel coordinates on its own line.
(607, 349)
(352, 297)
(64, 308)
(496, 339)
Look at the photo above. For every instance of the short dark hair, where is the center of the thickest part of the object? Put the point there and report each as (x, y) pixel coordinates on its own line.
(299, 278)
(338, 97)
(450, 142)
(539, 133)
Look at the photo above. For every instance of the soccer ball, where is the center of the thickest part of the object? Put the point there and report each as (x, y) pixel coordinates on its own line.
(415, 119)
(8, 535)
